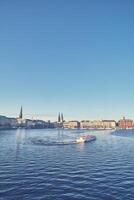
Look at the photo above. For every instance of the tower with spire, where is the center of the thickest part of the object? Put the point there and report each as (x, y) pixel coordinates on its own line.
(21, 113)
(21, 122)
(62, 118)
(59, 118)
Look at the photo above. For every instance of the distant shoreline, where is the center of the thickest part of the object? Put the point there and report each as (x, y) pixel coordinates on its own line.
(88, 129)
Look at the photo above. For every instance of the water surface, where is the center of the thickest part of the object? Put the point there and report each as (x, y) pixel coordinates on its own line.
(100, 170)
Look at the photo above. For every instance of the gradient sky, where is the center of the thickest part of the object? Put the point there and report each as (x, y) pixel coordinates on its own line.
(73, 56)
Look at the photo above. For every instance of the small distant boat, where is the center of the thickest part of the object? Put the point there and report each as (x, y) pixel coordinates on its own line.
(85, 138)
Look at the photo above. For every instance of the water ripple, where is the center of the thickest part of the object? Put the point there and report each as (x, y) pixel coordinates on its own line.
(102, 170)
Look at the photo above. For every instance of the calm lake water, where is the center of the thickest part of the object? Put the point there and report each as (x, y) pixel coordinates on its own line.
(100, 170)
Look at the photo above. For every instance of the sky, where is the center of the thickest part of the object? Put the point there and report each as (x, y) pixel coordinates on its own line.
(74, 56)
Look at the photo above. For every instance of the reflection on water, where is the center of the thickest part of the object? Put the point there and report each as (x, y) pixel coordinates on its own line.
(100, 170)
(20, 137)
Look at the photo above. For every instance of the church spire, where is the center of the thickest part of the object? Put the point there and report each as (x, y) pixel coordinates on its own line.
(62, 118)
(59, 118)
(21, 113)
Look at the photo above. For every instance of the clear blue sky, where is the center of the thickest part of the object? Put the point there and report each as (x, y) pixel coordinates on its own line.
(73, 56)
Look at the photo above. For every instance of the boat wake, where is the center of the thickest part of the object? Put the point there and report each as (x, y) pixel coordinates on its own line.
(52, 141)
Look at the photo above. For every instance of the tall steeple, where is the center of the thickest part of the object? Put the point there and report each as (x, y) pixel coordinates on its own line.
(21, 113)
(62, 118)
(59, 119)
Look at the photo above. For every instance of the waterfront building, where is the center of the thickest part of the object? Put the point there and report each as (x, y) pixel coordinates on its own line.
(97, 124)
(4, 122)
(87, 124)
(13, 122)
(50, 124)
(21, 122)
(66, 124)
(40, 124)
(37, 124)
(30, 123)
(71, 124)
(109, 124)
(55, 124)
(125, 123)
(7, 123)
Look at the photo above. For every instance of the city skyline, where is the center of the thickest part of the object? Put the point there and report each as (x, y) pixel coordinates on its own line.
(66, 56)
(59, 117)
